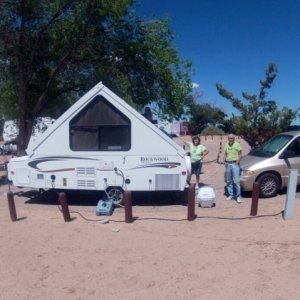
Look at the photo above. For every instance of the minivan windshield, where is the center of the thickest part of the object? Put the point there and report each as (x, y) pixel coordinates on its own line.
(272, 146)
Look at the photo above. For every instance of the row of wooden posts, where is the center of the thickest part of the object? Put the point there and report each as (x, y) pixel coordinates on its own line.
(189, 197)
(206, 137)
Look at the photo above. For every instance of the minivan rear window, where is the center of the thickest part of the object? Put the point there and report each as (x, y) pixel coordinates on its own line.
(273, 146)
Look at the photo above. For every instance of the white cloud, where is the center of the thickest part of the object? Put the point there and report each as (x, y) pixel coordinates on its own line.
(195, 85)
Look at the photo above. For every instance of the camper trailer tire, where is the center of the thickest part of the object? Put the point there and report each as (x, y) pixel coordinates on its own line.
(116, 194)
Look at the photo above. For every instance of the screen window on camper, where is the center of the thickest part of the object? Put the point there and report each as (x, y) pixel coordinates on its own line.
(100, 127)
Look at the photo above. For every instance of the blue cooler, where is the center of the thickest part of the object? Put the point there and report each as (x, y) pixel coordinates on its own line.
(105, 207)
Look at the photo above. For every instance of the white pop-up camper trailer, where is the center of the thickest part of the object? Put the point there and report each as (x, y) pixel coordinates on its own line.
(102, 143)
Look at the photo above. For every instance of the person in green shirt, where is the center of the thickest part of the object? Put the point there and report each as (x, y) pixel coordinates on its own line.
(197, 152)
(232, 157)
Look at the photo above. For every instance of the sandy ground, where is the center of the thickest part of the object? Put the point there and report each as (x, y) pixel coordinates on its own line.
(223, 254)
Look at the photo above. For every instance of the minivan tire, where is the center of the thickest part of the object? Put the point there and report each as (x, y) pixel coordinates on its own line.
(268, 185)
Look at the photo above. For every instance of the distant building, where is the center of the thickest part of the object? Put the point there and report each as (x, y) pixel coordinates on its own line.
(171, 128)
(11, 130)
(185, 128)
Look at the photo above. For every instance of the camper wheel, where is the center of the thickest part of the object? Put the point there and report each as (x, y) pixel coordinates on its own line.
(116, 194)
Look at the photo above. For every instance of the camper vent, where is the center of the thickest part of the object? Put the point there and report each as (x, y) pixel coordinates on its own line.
(87, 184)
(85, 172)
(167, 182)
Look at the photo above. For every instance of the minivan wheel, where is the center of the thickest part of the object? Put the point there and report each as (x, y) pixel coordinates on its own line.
(268, 185)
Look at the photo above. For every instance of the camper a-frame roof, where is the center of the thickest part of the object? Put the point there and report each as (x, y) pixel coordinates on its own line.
(102, 121)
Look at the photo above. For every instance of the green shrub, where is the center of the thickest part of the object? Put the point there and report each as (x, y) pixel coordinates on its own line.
(212, 130)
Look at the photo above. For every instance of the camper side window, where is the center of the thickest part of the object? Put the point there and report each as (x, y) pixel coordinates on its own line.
(100, 127)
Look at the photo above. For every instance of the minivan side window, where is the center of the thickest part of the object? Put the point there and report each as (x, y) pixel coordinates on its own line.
(295, 147)
(276, 143)
(100, 127)
(272, 146)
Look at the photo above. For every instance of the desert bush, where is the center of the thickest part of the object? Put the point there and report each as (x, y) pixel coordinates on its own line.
(212, 130)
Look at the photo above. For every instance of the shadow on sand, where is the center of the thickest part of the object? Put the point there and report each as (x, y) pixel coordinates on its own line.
(86, 198)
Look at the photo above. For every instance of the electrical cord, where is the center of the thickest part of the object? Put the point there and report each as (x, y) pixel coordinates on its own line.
(120, 173)
(177, 220)
(73, 211)
(210, 161)
(76, 212)
(206, 217)
(240, 218)
(83, 217)
(170, 220)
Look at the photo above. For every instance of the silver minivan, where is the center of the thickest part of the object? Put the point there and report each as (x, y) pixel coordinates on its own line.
(270, 163)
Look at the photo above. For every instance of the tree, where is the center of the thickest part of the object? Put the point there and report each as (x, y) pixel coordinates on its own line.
(212, 130)
(260, 119)
(202, 115)
(54, 51)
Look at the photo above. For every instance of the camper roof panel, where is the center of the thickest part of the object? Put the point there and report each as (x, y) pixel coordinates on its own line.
(101, 121)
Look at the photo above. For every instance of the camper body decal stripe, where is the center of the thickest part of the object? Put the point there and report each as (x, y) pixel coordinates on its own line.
(34, 164)
(169, 165)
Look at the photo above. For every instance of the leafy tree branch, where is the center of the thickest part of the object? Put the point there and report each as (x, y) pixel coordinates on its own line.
(259, 118)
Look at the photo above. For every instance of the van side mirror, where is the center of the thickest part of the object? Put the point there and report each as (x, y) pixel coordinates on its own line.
(287, 154)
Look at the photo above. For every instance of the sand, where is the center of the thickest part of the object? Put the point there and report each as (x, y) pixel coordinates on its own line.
(222, 254)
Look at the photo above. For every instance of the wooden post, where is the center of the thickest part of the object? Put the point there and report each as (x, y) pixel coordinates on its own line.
(190, 197)
(64, 206)
(128, 207)
(11, 206)
(255, 195)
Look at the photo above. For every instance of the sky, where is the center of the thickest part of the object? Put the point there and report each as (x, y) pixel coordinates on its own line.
(232, 42)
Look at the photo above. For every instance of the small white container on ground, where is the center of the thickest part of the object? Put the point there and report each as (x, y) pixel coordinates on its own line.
(206, 196)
